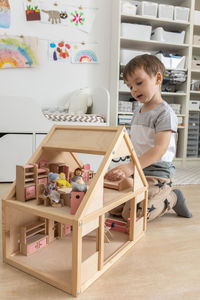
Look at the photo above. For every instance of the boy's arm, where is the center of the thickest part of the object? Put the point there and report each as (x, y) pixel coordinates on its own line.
(162, 141)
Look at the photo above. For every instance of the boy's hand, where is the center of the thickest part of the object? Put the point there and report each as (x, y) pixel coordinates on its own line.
(115, 174)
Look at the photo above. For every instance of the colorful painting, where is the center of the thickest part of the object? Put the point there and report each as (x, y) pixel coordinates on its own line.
(18, 52)
(80, 18)
(32, 10)
(85, 53)
(4, 14)
(60, 51)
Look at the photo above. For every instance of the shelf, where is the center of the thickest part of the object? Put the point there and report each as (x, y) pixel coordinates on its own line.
(173, 94)
(155, 22)
(196, 46)
(150, 45)
(195, 92)
(195, 71)
(183, 70)
(125, 113)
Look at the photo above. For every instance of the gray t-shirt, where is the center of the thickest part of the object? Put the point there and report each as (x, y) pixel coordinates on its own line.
(144, 127)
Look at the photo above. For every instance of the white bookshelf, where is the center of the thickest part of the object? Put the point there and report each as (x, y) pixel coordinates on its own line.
(187, 49)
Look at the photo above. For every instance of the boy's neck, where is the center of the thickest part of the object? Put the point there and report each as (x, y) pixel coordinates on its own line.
(155, 101)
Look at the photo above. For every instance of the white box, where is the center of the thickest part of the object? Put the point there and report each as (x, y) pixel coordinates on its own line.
(123, 86)
(181, 13)
(136, 31)
(126, 55)
(196, 39)
(177, 62)
(197, 17)
(128, 8)
(176, 107)
(125, 106)
(194, 105)
(159, 34)
(166, 11)
(147, 9)
(166, 60)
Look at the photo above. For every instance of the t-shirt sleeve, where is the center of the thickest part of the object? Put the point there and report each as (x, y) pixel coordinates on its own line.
(166, 120)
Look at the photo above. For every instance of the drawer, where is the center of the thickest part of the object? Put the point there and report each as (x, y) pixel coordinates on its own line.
(43, 180)
(30, 192)
(32, 248)
(42, 243)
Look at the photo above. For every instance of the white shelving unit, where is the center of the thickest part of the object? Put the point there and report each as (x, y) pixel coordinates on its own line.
(187, 49)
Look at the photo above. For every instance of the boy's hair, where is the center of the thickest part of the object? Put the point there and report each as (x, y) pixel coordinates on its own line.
(150, 63)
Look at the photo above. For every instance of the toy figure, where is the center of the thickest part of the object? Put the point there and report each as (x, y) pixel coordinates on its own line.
(52, 189)
(78, 184)
(62, 182)
(77, 173)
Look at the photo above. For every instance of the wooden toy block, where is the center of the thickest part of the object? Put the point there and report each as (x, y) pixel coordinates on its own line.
(76, 198)
(32, 232)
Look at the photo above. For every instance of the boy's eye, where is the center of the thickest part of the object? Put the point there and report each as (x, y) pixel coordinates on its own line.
(139, 83)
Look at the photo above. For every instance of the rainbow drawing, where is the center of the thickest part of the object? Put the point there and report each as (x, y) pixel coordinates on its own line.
(85, 56)
(17, 53)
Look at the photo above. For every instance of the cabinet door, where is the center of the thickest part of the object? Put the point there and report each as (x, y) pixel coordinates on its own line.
(42, 242)
(32, 248)
(30, 192)
(16, 149)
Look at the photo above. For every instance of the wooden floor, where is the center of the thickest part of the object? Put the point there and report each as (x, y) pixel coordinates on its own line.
(165, 264)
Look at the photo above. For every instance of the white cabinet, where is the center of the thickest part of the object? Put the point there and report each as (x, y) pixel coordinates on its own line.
(121, 44)
(15, 149)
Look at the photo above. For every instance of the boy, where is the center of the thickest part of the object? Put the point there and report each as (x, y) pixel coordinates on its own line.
(153, 130)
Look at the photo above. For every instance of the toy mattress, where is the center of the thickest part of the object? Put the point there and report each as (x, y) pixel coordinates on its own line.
(64, 117)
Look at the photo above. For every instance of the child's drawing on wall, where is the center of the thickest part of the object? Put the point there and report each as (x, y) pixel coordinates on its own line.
(80, 17)
(32, 10)
(4, 14)
(60, 51)
(18, 52)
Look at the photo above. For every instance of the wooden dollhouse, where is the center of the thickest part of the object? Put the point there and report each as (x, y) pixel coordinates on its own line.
(69, 250)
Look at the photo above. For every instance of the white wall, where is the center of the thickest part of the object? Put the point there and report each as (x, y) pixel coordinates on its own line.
(50, 82)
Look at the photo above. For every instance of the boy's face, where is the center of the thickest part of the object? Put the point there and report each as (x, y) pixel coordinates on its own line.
(143, 87)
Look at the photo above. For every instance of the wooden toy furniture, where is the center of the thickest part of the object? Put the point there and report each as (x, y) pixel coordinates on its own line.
(33, 237)
(27, 179)
(58, 168)
(75, 261)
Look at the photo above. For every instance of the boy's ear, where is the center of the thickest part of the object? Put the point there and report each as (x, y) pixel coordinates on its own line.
(159, 78)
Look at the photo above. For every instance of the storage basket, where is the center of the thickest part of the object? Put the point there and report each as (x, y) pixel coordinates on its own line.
(136, 31)
(197, 17)
(125, 106)
(174, 62)
(159, 34)
(181, 13)
(126, 55)
(166, 11)
(147, 9)
(128, 8)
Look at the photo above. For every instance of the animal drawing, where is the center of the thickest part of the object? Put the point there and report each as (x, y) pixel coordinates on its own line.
(63, 15)
(54, 16)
